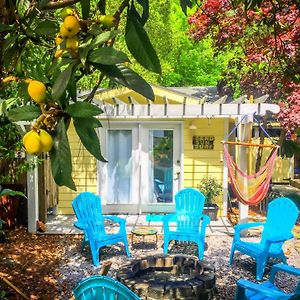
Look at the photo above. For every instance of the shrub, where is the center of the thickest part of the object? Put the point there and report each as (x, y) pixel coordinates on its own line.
(210, 188)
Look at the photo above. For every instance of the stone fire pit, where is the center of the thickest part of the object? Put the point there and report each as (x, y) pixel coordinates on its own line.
(169, 277)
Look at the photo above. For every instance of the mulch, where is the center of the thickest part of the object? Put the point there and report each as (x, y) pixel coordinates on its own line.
(49, 266)
(30, 262)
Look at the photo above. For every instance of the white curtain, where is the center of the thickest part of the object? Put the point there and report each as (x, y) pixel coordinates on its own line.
(119, 166)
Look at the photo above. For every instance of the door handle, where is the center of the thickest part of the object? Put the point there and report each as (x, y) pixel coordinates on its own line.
(177, 176)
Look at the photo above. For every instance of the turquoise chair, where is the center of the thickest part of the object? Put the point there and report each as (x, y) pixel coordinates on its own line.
(87, 208)
(247, 290)
(282, 214)
(99, 287)
(190, 222)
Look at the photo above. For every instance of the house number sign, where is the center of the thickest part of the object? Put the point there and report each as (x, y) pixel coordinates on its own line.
(204, 142)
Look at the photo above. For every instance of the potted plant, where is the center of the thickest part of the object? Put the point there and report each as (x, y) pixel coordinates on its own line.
(210, 188)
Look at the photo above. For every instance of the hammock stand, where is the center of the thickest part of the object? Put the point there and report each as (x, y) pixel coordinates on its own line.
(250, 189)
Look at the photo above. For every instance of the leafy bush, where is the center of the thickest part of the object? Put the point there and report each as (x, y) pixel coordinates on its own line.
(210, 188)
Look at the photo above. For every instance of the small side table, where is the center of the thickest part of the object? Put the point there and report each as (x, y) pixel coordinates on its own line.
(143, 231)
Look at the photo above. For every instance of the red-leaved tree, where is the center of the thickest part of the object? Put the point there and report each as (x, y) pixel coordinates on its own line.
(265, 37)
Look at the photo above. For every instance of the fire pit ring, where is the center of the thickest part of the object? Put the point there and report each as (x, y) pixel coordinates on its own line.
(169, 277)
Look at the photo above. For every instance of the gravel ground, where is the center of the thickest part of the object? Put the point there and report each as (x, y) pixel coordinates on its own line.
(77, 266)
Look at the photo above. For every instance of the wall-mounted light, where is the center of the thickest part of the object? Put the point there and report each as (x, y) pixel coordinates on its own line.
(192, 126)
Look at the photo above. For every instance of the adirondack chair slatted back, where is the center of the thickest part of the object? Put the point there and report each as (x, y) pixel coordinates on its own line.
(102, 288)
(281, 217)
(86, 205)
(189, 206)
(95, 229)
(189, 201)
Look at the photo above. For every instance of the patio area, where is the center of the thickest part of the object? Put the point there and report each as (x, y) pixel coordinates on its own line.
(63, 224)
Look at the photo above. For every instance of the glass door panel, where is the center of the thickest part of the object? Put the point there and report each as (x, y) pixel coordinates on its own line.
(161, 155)
(119, 166)
(161, 166)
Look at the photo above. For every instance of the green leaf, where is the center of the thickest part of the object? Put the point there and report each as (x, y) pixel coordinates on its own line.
(83, 110)
(185, 4)
(84, 49)
(4, 27)
(85, 128)
(128, 78)
(104, 37)
(61, 82)
(85, 8)
(22, 7)
(107, 56)
(24, 113)
(72, 88)
(46, 27)
(10, 57)
(101, 5)
(139, 44)
(145, 5)
(60, 155)
(145, 15)
(9, 192)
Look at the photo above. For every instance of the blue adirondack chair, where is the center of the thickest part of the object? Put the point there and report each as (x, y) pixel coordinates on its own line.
(281, 217)
(87, 208)
(99, 287)
(190, 222)
(247, 290)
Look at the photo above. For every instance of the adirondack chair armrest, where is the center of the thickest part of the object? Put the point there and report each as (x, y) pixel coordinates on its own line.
(166, 219)
(205, 220)
(283, 268)
(241, 227)
(169, 218)
(79, 225)
(279, 238)
(115, 219)
(204, 223)
(268, 292)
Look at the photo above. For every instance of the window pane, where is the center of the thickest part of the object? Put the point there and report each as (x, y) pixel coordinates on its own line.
(161, 166)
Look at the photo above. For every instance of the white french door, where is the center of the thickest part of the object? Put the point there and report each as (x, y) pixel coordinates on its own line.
(143, 169)
(160, 166)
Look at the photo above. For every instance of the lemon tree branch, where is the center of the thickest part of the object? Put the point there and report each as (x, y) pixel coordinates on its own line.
(58, 4)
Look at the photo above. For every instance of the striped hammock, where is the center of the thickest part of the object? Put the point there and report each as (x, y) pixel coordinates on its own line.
(250, 189)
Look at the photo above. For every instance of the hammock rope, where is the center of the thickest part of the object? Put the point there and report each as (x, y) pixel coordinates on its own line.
(250, 189)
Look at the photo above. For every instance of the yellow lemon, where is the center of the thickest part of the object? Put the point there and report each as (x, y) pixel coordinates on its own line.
(72, 42)
(58, 53)
(64, 33)
(27, 80)
(26, 135)
(37, 91)
(32, 142)
(58, 40)
(46, 141)
(107, 21)
(67, 11)
(9, 79)
(71, 24)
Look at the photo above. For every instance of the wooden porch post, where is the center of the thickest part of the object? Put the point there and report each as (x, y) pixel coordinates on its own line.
(244, 132)
(225, 175)
(33, 199)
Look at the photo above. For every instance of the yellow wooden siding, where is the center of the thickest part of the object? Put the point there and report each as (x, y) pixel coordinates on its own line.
(199, 164)
(84, 174)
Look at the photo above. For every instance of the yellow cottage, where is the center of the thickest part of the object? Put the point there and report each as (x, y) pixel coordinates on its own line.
(156, 148)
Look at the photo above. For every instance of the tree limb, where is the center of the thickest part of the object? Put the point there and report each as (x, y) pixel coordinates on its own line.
(58, 4)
